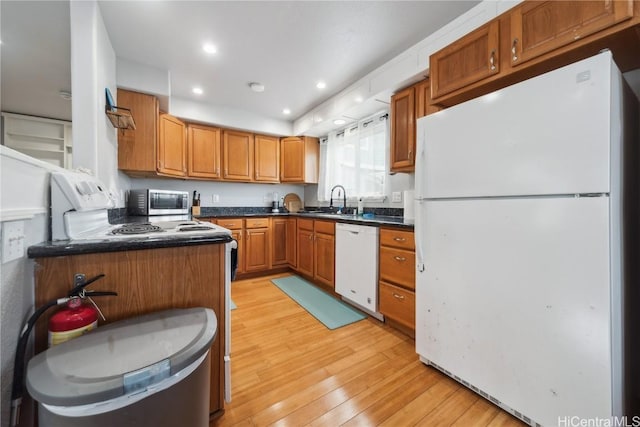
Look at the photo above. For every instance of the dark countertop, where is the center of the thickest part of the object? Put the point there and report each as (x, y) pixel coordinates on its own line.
(375, 220)
(78, 247)
(70, 247)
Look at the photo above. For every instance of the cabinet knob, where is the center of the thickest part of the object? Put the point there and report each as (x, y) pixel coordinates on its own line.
(399, 239)
(400, 297)
(514, 50)
(492, 60)
(400, 258)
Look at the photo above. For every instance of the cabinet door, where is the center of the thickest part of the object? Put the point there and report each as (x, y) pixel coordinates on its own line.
(257, 249)
(423, 99)
(398, 266)
(398, 304)
(279, 238)
(267, 159)
(292, 242)
(203, 143)
(403, 130)
(236, 225)
(540, 27)
(305, 252)
(172, 157)
(137, 147)
(324, 245)
(470, 59)
(237, 153)
(292, 160)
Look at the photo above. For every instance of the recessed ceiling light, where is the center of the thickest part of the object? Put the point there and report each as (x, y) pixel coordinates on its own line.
(209, 48)
(359, 99)
(286, 111)
(321, 85)
(339, 121)
(197, 90)
(256, 87)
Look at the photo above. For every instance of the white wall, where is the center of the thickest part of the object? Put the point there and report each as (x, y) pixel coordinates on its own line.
(93, 68)
(397, 182)
(229, 117)
(24, 196)
(231, 194)
(24, 181)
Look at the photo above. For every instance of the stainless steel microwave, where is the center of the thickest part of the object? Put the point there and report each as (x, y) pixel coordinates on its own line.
(158, 202)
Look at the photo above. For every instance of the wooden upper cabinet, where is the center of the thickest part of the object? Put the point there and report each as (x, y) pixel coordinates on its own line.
(237, 155)
(137, 147)
(299, 157)
(204, 153)
(538, 27)
(424, 106)
(403, 130)
(267, 159)
(472, 58)
(172, 153)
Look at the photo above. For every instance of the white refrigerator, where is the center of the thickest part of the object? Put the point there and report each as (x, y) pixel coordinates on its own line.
(522, 225)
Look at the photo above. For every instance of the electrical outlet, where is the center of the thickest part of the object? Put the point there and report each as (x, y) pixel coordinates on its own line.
(12, 240)
(215, 198)
(396, 197)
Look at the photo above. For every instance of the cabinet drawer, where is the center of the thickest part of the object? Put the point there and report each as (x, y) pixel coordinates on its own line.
(398, 266)
(231, 223)
(305, 224)
(398, 304)
(257, 222)
(397, 239)
(325, 227)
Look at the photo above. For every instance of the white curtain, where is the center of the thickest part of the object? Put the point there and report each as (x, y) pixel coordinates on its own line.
(356, 158)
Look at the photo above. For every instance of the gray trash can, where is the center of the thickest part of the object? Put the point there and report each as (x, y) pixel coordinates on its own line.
(151, 370)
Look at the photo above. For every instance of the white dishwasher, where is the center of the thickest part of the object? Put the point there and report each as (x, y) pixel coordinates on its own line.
(357, 264)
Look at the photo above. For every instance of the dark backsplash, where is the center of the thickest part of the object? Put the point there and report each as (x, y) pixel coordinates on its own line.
(119, 215)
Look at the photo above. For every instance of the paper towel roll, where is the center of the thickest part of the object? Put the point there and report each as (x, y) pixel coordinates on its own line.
(409, 205)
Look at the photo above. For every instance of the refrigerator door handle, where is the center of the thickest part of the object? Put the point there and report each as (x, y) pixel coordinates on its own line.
(419, 228)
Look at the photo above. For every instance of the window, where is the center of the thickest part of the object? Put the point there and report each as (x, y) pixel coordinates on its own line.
(356, 158)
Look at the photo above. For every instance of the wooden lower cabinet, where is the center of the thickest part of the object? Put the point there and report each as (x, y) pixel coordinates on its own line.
(397, 275)
(325, 249)
(305, 247)
(257, 245)
(316, 250)
(292, 242)
(398, 303)
(146, 281)
(279, 229)
(236, 225)
(398, 266)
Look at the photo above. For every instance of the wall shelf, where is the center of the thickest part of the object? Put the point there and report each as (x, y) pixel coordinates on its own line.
(120, 117)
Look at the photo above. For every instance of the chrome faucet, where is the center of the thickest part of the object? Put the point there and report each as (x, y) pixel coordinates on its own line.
(344, 198)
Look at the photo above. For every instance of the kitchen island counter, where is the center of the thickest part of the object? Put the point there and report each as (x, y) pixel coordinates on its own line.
(78, 247)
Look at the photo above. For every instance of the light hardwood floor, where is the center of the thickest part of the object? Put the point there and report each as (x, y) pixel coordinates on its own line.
(290, 370)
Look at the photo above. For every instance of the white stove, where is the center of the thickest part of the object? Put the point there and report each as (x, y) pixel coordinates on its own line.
(79, 204)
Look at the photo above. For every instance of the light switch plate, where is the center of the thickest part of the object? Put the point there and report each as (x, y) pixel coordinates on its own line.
(396, 197)
(12, 240)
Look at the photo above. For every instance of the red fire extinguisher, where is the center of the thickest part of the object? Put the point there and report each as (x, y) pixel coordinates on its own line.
(72, 321)
(77, 316)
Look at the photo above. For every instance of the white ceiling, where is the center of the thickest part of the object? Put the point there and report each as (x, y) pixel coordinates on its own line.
(286, 45)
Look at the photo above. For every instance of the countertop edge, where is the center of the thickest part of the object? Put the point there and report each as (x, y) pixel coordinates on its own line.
(67, 247)
(376, 221)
